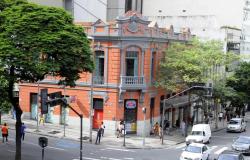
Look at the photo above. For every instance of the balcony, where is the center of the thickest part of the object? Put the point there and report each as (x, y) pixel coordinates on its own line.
(133, 82)
(98, 80)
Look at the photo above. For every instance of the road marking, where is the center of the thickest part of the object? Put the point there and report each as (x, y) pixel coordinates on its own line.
(221, 150)
(117, 149)
(60, 149)
(129, 158)
(114, 159)
(181, 146)
(11, 151)
(90, 158)
(213, 147)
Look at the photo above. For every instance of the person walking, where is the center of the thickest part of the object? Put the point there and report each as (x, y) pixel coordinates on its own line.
(23, 127)
(41, 119)
(5, 132)
(103, 127)
(120, 128)
(183, 128)
(98, 136)
(220, 116)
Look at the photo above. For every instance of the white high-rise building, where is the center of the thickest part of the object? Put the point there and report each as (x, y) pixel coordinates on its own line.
(245, 40)
(204, 18)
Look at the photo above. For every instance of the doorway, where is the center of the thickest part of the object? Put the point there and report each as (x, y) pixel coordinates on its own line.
(98, 112)
(130, 115)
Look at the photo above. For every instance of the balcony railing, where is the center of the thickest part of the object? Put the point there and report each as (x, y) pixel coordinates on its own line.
(98, 80)
(132, 82)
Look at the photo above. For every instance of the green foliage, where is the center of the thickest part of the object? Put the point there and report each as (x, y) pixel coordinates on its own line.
(38, 40)
(192, 62)
(240, 81)
(5, 104)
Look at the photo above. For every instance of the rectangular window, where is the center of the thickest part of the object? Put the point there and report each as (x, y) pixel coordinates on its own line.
(99, 67)
(135, 5)
(131, 63)
(152, 66)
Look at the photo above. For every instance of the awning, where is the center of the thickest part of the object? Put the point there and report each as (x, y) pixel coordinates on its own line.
(180, 101)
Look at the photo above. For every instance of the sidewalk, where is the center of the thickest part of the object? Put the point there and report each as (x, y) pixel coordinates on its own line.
(132, 141)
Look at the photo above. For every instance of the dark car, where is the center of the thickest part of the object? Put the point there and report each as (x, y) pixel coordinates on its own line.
(242, 144)
(230, 155)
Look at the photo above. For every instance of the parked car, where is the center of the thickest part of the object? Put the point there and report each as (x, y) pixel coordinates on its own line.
(201, 133)
(195, 151)
(242, 144)
(236, 125)
(230, 155)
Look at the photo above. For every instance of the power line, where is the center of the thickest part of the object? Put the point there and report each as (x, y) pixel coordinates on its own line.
(92, 14)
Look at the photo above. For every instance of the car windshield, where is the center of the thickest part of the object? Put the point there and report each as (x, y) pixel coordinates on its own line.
(243, 140)
(197, 133)
(228, 157)
(234, 121)
(193, 149)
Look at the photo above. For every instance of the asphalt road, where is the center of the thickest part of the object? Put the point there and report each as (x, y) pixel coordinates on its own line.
(62, 149)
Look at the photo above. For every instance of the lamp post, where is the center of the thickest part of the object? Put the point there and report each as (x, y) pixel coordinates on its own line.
(144, 125)
(91, 98)
(37, 110)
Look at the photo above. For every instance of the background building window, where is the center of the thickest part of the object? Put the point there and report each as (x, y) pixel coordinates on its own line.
(133, 5)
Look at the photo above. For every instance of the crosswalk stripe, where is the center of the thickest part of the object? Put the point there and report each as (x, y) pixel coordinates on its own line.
(88, 158)
(181, 146)
(117, 149)
(213, 147)
(221, 150)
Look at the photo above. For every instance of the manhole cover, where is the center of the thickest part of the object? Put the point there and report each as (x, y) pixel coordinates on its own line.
(54, 132)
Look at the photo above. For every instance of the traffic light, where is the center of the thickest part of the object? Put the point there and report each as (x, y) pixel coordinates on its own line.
(44, 99)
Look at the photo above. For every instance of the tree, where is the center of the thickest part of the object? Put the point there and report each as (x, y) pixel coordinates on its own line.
(36, 41)
(192, 62)
(240, 82)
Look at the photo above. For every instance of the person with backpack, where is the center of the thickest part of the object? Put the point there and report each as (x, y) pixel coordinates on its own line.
(5, 132)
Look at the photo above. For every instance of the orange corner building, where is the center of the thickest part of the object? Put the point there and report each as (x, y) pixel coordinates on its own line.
(127, 54)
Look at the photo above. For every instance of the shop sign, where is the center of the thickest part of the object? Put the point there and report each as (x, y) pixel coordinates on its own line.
(131, 104)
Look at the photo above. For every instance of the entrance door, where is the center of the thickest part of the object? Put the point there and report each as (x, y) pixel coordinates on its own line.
(130, 115)
(33, 106)
(98, 118)
(98, 112)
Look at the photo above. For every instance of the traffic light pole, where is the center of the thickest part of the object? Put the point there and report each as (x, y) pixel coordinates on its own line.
(81, 116)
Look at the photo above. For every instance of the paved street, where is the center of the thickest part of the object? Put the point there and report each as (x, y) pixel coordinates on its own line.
(64, 149)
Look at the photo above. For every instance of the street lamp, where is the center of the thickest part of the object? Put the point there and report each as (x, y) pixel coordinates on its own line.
(91, 98)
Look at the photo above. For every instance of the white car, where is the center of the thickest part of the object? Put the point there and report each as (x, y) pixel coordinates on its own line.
(195, 151)
(236, 125)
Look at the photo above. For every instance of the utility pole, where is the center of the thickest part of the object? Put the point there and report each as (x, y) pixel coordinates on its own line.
(64, 124)
(162, 121)
(144, 125)
(37, 111)
(91, 110)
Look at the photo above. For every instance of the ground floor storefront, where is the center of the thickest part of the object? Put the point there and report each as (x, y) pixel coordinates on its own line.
(107, 107)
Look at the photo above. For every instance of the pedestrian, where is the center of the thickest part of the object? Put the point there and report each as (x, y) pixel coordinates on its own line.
(156, 129)
(23, 127)
(160, 132)
(41, 119)
(103, 127)
(220, 116)
(5, 132)
(98, 135)
(183, 128)
(120, 129)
